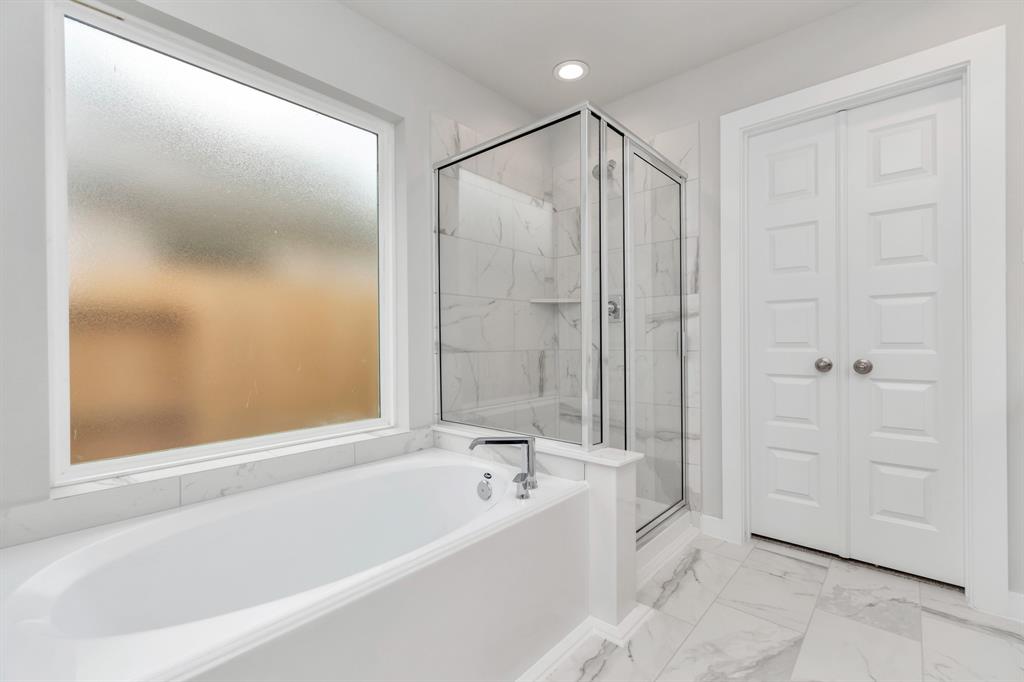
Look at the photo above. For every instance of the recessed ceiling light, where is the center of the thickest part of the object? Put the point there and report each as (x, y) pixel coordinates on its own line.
(572, 70)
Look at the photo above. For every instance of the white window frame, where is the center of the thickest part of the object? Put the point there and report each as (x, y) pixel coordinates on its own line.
(62, 471)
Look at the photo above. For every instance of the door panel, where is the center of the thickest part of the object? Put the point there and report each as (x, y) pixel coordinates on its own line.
(792, 275)
(862, 265)
(905, 249)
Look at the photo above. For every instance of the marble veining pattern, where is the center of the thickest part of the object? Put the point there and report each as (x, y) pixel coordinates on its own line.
(837, 648)
(967, 649)
(778, 612)
(731, 645)
(641, 657)
(509, 246)
(885, 600)
(687, 587)
(776, 588)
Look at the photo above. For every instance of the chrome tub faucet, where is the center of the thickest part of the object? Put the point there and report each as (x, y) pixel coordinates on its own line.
(525, 480)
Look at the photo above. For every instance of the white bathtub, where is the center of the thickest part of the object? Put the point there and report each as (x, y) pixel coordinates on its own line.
(395, 570)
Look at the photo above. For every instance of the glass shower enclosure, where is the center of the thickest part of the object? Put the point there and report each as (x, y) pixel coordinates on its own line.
(560, 294)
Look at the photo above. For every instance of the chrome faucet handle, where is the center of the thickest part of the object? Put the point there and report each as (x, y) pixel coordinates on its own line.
(522, 481)
(528, 445)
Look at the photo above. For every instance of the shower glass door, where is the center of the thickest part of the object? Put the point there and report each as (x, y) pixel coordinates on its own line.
(655, 335)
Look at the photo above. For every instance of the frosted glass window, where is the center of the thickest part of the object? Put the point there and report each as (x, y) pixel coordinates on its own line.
(223, 256)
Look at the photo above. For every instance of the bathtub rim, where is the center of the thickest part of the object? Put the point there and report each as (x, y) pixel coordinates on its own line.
(115, 545)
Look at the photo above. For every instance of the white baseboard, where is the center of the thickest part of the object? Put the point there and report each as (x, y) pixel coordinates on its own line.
(669, 534)
(545, 663)
(617, 634)
(620, 634)
(1016, 606)
(646, 571)
(718, 528)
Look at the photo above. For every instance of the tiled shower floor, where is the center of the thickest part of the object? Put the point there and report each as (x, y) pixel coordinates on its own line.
(767, 611)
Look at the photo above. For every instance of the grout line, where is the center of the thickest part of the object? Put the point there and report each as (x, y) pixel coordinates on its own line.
(833, 562)
(814, 609)
(703, 613)
(676, 649)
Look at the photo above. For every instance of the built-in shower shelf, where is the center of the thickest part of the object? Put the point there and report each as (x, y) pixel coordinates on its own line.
(554, 301)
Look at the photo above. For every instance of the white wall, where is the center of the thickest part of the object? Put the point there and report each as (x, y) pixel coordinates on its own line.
(854, 39)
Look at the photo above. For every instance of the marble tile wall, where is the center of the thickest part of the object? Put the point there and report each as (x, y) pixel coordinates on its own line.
(499, 348)
(125, 497)
(567, 257)
(513, 166)
(508, 249)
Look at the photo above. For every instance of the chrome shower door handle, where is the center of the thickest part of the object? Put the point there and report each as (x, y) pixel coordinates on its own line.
(823, 365)
(862, 366)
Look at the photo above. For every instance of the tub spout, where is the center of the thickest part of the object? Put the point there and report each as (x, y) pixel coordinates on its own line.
(529, 473)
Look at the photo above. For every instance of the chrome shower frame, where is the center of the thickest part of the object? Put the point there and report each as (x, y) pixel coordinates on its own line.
(633, 145)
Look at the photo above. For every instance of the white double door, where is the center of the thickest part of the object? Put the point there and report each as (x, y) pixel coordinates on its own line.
(856, 256)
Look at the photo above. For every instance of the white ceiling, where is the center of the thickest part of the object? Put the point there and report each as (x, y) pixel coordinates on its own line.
(512, 45)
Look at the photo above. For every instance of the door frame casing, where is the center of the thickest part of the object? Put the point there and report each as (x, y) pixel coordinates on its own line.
(979, 63)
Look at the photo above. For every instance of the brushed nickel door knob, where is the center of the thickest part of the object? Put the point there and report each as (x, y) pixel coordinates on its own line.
(862, 366)
(823, 364)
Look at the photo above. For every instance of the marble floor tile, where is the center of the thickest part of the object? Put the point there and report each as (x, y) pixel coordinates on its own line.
(734, 551)
(808, 555)
(587, 661)
(837, 648)
(878, 598)
(768, 611)
(705, 542)
(687, 585)
(781, 589)
(726, 549)
(785, 566)
(951, 603)
(959, 650)
(641, 659)
(731, 645)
